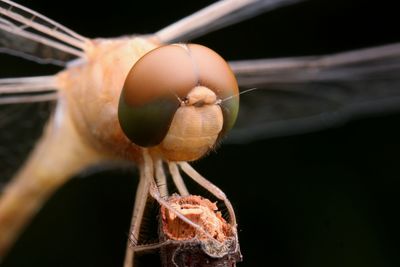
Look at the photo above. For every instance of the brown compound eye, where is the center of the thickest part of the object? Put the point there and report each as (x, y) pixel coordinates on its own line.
(215, 74)
(158, 80)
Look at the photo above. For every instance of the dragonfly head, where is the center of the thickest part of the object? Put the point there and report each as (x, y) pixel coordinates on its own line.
(172, 101)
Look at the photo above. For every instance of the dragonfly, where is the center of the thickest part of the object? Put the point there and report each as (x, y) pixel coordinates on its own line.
(354, 67)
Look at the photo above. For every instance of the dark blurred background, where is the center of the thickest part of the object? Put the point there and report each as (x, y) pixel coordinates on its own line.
(326, 198)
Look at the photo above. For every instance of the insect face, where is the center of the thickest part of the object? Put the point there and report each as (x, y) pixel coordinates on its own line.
(172, 101)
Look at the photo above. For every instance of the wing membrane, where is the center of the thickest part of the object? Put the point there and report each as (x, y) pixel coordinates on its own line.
(28, 34)
(298, 95)
(20, 126)
(353, 65)
(27, 90)
(217, 16)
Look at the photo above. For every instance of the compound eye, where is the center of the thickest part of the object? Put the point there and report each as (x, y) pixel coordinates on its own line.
(146, 125)
(151, 93)
(215, 74)
(164, 76)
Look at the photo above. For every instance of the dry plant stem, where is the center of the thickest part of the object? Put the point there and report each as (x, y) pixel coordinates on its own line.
(182, 246)
(200, 211)
(192, 173)
(148, 185)
(58, 155)
(177, 178)
(156, 195)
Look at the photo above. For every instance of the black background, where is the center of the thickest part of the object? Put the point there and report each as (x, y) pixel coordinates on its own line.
(328, 198)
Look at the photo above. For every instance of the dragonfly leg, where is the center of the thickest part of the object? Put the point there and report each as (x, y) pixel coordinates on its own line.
(177, 178)
(198, 178)
(137, 217)
(148, 247)
(155, 193)
(161, 179)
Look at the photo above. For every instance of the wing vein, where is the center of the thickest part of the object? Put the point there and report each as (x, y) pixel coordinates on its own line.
(55, 29)
(27, 84)
(51, 96)
(13, 29)
(216, 16)
(351, 65)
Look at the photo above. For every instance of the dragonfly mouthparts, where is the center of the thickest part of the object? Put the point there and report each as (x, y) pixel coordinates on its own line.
(200, 96)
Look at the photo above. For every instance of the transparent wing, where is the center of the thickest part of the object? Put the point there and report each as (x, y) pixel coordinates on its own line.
(21, 125)
(27, 90)
(28, 34)
(298, 95)
(217, 16)
(31, 50)
(25, 104)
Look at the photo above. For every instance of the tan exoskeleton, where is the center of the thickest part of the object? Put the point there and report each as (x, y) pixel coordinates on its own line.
(166, 111)
(111, 105)
(126, 99)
